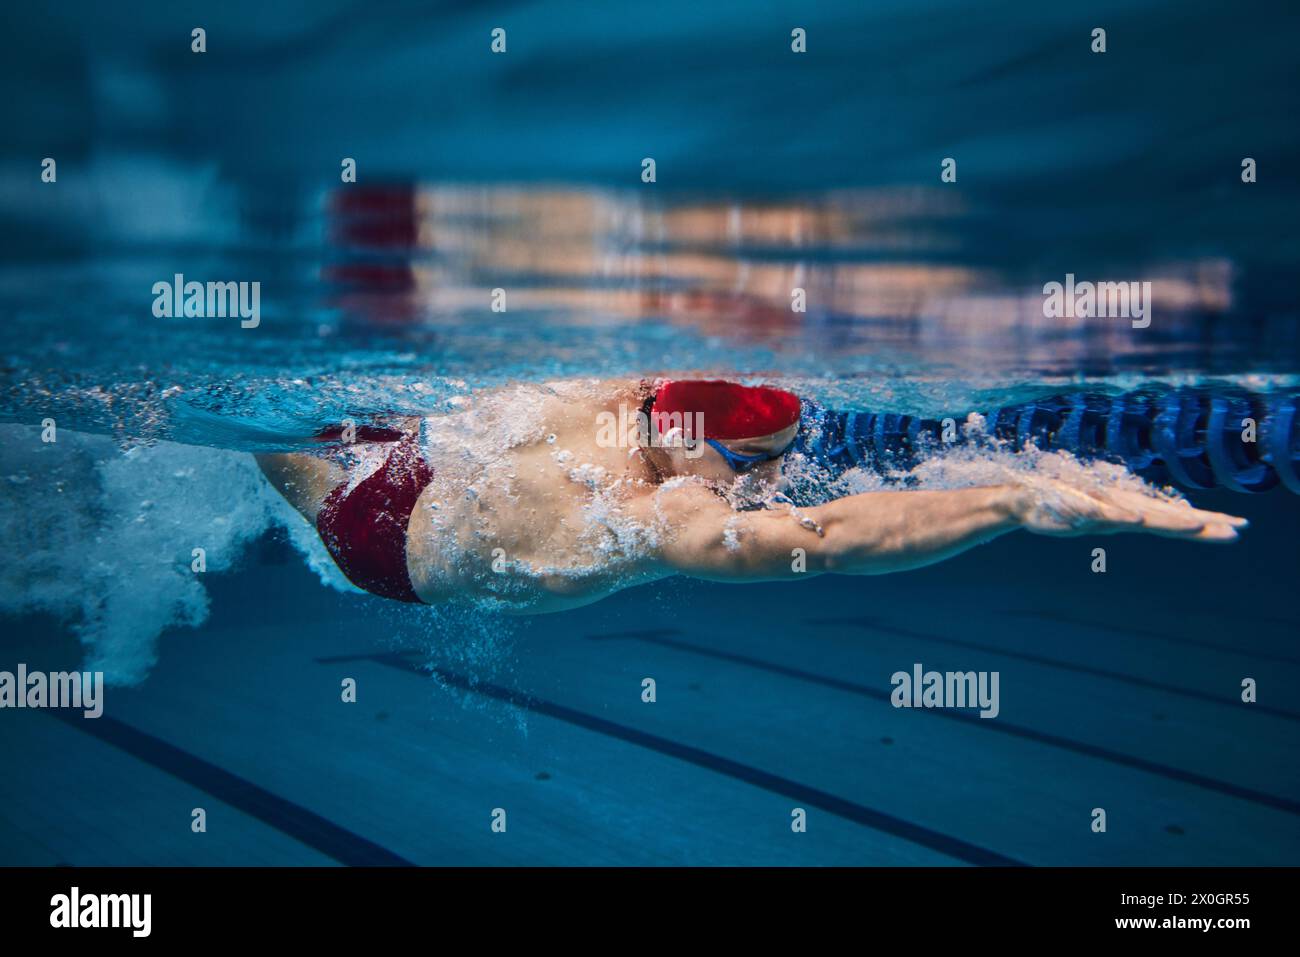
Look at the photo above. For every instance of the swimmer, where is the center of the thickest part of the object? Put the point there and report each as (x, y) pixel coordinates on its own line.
(525, 497)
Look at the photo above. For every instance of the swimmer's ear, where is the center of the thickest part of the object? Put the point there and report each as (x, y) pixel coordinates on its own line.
(673, 438)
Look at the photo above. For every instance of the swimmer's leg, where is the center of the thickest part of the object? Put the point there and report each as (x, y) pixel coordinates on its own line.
(304, 480)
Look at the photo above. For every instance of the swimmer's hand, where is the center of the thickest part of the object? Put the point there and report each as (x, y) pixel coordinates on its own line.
(1052, 507)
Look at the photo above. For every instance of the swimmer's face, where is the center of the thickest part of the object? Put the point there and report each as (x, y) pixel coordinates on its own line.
(706, 462)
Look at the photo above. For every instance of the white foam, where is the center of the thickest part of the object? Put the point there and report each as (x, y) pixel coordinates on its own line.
(107, 537)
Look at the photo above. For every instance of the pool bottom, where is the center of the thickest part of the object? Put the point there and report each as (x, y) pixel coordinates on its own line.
(1119, 692)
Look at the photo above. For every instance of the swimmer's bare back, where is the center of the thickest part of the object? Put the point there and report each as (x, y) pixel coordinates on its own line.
(528, 502)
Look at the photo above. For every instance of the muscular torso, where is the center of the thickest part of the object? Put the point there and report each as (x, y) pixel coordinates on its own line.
(531, 503)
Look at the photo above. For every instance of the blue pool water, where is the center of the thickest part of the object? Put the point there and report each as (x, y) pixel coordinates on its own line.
(522, 172)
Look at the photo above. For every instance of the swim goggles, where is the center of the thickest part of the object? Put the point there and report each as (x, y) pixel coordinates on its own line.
(741, 464)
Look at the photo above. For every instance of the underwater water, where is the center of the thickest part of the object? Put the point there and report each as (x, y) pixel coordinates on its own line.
(523, 174)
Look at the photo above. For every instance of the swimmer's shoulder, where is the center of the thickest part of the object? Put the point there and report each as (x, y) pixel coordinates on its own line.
(595, 389)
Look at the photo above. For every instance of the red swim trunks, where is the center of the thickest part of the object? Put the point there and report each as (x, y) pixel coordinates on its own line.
(365, 528)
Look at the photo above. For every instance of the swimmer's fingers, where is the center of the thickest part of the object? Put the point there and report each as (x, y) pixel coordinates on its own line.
(1207, 531)
(1076, 512)
(1069, 511)
(1181, 520)
(1205, 515)
(1217, 534)
(1175, 519)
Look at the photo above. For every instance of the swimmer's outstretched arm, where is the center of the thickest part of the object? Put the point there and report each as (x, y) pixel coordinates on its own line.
(880, 532)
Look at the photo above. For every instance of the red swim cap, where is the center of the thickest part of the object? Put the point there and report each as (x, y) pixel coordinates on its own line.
(728, 411)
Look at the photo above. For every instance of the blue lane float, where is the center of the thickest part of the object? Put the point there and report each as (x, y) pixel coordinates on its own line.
(1280, 432)
(1191, 437)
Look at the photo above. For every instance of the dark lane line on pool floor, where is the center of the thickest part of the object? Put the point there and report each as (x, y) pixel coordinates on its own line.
(857, 813)
(1054, 616)
(296, 821)
(873, 624)
(1042, 737)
